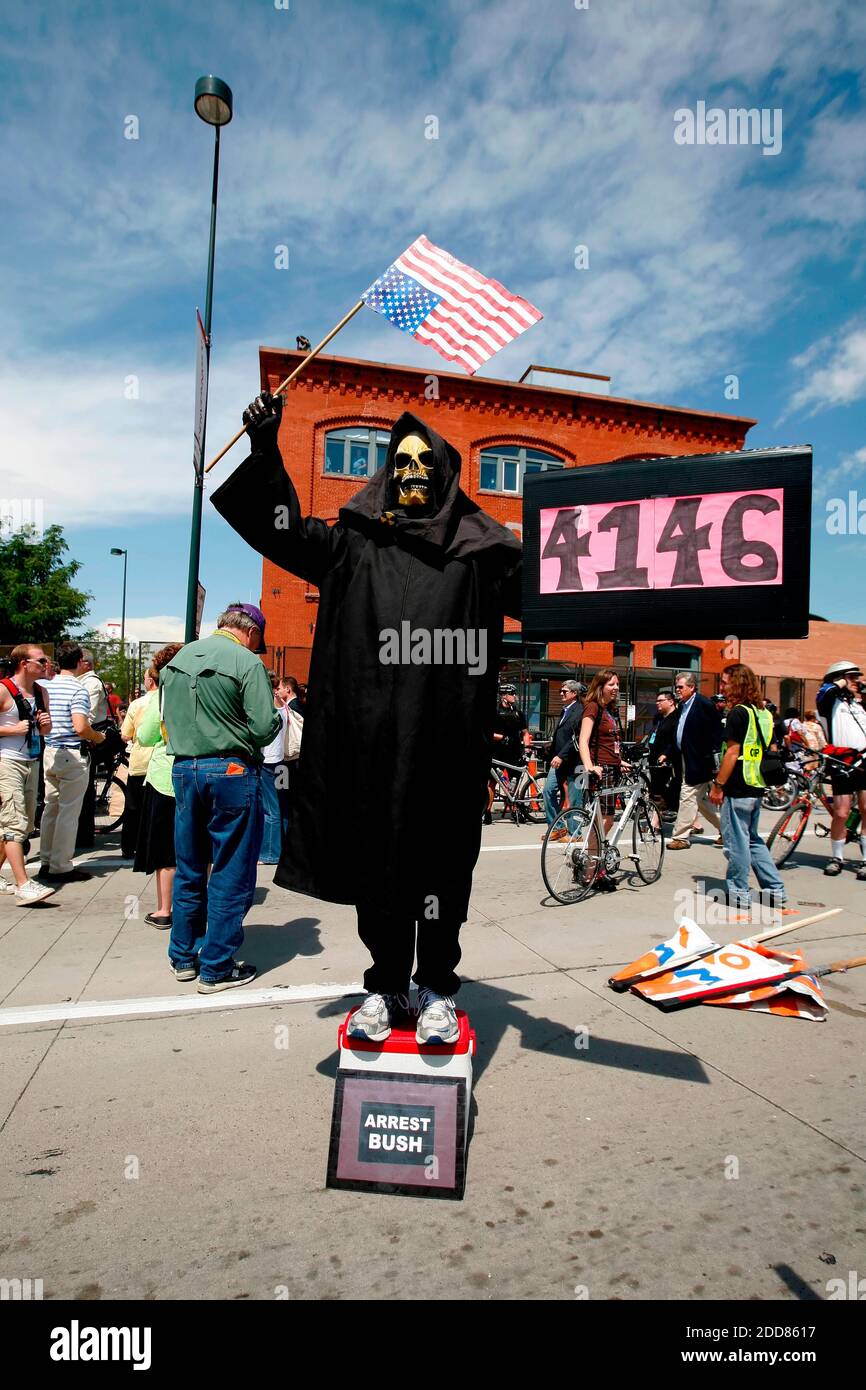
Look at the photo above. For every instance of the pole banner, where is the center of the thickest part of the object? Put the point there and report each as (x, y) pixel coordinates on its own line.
(201, 371)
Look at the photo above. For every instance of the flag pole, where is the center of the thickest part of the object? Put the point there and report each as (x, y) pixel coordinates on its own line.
(290, 378)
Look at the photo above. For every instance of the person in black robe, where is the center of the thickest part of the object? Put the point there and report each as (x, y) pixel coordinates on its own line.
(414, 581)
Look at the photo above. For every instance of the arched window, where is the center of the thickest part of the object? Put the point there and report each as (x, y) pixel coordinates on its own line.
(504, 466)
(677, 656)
(355, 453)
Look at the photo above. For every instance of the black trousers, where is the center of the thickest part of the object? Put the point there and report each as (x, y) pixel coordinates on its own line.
(131, 816)
(391, 941)
(86, 836)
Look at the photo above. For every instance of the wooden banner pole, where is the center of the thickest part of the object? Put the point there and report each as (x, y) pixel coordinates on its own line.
(290, 378)
(791, 926)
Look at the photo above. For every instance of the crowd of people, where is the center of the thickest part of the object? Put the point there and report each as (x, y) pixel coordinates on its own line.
(707, 758)
(210, 742)
(212, 738)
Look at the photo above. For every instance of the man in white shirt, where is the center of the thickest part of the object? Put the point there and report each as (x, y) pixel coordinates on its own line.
(24, 718)
(67, 770)
(100, 710)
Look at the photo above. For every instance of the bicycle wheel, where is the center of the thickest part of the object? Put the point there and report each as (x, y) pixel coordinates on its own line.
(648, 841)
(779, 798)
(787, 833)
(528, 808)
(570, 866)
(110, 804)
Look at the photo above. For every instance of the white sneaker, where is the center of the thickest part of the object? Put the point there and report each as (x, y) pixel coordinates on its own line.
(437, 1019)
(6, 886)
(372, 1021)
(32, 892)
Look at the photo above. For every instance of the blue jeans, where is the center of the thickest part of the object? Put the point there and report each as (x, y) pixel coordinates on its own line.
(745, 849)
(275, 799)
(218, 821)
(553, 795)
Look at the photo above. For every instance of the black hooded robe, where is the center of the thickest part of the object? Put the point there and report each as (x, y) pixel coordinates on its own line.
(387, 800)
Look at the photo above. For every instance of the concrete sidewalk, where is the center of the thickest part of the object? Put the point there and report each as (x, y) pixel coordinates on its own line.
(183, 1155)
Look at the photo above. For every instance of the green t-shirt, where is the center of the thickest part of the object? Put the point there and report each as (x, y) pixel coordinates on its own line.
(216, 698)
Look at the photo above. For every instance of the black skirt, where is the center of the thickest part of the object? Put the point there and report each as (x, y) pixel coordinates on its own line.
(155, 848)
(131, 816)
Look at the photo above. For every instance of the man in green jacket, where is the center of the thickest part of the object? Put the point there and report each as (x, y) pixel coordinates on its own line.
(218, 710)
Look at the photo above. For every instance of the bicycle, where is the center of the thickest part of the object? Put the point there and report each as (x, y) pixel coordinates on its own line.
(571, 865)
(811, 797)
(110, 791)
(523, 798)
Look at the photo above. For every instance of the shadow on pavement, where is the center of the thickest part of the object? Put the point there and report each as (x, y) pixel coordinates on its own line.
(493, 1010)
(799, 1288)
(271, 946)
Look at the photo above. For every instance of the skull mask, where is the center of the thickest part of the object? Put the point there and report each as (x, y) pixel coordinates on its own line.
(412, 483)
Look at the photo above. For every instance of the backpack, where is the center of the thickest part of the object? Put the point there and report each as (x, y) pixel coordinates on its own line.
(22, 704)
(292, 736)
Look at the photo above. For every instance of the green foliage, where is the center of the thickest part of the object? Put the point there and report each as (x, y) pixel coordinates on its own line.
(109, 662)
(38, 602)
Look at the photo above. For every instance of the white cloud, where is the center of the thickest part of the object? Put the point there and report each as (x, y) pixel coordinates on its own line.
(552, 133)
(162, 627)
(835, 372)
(850, 469)
(94, 455)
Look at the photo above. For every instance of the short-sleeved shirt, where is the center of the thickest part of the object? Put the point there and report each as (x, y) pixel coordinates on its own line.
(736, 731)
(604, 740)
(66, 696)
(98, 706)
(139, 757)
(510, 722)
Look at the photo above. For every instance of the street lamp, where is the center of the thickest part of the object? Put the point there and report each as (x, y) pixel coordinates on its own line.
(116, 551)
(213, 104)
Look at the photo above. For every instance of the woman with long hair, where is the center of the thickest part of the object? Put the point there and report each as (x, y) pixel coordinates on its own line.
(599, 745)
(749, 726)
(154, 853)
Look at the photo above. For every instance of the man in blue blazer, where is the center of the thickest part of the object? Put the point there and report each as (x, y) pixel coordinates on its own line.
(562, 756)
(698, 740)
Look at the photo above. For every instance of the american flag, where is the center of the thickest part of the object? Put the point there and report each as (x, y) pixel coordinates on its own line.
(449, 306)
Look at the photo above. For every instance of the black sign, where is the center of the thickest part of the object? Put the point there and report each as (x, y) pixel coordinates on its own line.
(714, 545)
(398, 1133)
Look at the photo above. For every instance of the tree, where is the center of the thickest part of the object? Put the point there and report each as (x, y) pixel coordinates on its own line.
(38, 602)
(109, 661)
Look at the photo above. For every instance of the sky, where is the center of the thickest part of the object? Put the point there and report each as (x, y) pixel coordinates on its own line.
(556, 129)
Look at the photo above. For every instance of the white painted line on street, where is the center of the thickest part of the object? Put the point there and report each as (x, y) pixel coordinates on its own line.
(236, 998)
(503, 849)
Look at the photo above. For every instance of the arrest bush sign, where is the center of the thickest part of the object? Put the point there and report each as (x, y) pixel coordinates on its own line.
(706, 545)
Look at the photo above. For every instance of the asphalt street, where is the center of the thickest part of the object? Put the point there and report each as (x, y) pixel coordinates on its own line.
(157, 1144)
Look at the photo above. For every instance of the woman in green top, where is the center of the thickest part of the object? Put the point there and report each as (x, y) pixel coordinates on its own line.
(154, 852)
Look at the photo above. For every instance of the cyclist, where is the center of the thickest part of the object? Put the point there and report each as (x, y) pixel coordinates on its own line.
(510, 732)
(599, 746)
(511, 736)
(844, 722)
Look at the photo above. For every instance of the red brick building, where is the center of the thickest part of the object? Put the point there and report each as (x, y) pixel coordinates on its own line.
(333, 434)
(329, 439)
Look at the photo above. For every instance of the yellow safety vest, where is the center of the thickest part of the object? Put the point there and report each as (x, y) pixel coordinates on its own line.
(752, 750)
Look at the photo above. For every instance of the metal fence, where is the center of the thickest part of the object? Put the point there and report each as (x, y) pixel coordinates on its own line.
(538, 684)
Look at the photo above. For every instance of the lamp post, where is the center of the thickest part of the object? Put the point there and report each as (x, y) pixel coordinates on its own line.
(116, 551)
(213, 104)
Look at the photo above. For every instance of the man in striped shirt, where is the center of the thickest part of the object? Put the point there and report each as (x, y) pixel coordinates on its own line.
(67, 769)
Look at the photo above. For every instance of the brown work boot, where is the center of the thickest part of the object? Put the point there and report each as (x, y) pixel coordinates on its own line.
(679, 844)
(559, 835)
